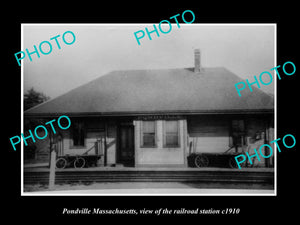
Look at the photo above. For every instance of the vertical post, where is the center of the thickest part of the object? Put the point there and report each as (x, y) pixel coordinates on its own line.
(50, 147)
(52, 170)
(267, 160)
(242, 142)
(185, 139)
(105, 145)
(52, 162)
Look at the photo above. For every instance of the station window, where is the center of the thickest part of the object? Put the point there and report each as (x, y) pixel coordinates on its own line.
(237, 132)
(171, 133)
(148, 134)
(78, 133)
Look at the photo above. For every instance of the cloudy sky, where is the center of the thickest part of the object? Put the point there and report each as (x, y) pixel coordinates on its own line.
(246, 50)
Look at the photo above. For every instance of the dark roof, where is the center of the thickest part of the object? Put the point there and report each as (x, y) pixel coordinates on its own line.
(158, 91)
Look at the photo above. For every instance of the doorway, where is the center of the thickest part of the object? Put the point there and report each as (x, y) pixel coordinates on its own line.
(125, 153)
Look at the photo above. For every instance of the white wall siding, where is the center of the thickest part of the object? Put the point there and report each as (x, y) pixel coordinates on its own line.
(94, 132)
(160, 155)
(210, 135)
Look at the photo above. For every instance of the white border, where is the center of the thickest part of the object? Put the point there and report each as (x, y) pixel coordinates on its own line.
(22, 113)
(275, 108)
(155, 192)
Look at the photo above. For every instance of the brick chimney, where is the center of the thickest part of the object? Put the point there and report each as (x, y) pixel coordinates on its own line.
(197, 68)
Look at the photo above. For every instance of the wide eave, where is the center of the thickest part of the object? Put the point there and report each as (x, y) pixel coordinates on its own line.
(153, 92)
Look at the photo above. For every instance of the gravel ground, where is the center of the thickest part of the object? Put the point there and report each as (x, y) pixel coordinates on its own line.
(146, 188)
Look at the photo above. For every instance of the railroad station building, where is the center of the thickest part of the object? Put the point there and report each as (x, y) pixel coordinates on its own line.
(144, 118)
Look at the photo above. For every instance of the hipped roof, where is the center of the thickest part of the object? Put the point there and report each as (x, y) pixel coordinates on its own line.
(130, 92)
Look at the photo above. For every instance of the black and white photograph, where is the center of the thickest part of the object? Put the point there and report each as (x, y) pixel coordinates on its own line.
(159, 112)
(131, 109)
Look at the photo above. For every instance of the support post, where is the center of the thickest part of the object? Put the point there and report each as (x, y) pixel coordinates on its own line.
(52, 170)
(52, 161)
(105, 145)
(266, 141)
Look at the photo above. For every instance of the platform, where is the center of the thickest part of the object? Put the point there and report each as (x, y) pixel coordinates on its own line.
(212, 177)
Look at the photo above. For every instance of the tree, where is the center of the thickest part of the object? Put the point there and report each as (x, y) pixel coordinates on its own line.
(33, 98)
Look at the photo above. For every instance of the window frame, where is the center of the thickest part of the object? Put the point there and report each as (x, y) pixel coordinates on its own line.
(237, 139)
(73, 146)
(165, 135)
(142, 145)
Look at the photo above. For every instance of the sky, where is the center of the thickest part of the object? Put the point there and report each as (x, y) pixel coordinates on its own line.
(246, 50)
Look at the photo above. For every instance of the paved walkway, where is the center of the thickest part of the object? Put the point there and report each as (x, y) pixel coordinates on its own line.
(42, 167)
(145, 188)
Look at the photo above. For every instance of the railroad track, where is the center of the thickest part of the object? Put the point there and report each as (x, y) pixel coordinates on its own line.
(228, 177)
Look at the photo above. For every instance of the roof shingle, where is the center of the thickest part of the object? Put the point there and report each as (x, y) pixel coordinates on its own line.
(158, 91)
